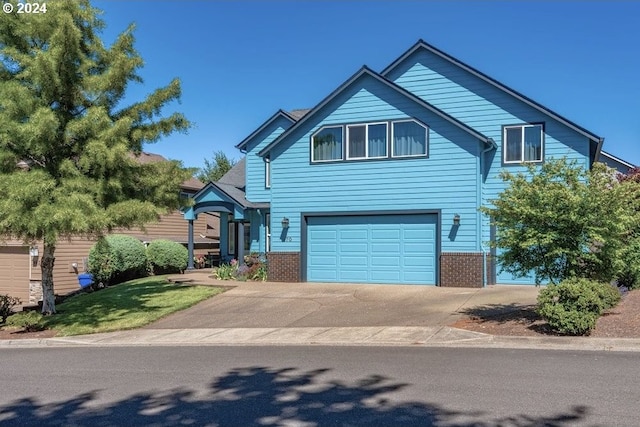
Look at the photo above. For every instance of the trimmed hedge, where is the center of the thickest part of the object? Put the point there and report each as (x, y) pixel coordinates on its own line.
(166, 256)
(573, 306)
(117, 258)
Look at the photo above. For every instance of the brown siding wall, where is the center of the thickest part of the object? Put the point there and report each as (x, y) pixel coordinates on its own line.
(173, 226)
(76, 250)
(14, 271)
(461, 270)
(284, 266)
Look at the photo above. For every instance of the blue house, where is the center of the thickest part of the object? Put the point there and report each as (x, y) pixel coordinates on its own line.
(382, 180)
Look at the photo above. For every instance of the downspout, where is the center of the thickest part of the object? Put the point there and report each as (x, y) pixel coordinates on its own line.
(596, 157)
(492, 146)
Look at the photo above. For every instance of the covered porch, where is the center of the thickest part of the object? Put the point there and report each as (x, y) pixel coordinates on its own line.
(244, 226)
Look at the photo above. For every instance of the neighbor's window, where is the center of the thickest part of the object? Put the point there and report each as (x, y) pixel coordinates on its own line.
(367, 141)
(409, 139)
(523, 143)
(326, 144)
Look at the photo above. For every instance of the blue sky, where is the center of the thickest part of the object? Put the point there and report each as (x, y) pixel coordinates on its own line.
(240, 61)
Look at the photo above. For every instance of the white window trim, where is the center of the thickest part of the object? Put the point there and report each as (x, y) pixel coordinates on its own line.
(366, 140)
(426, 139)
(267, 172)
(522, 128)
(313, 160)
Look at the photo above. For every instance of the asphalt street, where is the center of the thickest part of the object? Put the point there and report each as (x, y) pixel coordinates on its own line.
(315, 385)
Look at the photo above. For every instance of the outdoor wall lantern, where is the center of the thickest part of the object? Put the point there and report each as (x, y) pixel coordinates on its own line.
(285, 222)
(456, 219)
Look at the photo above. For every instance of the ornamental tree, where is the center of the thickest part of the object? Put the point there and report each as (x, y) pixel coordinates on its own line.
(215, 169)
(67, 144)
(559, 220)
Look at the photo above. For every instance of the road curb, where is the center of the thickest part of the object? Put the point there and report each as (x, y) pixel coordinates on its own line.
(325, 336)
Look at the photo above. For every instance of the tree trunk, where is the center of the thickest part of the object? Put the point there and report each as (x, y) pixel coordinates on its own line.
(46, 266)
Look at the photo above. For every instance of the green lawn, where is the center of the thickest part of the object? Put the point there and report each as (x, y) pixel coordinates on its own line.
(125, 306)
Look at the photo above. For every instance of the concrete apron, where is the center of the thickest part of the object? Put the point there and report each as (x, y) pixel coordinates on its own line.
(292, 305)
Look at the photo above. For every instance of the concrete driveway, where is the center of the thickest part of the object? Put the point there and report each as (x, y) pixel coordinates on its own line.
(290, 305)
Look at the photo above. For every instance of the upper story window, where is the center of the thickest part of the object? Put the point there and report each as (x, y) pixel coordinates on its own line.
(523, 143)
(409, 139)
(380, 140)
(367, 141)
(267, 172)
(327, 144)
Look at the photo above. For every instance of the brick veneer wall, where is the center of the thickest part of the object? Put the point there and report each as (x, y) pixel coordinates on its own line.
(461, 270)
(283, 266)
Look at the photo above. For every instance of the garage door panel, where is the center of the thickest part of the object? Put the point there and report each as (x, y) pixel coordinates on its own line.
(350, 261)
(387, 233)
(347, 275)
(416, 261)
(386, 261)
(390, 276)
(372, 248)
(324, 247)
(356, 248)
(382, 248)
(353, 234)
(418, 277)
(325, 261)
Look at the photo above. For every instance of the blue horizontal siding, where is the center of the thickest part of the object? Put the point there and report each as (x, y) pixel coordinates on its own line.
(485, 108)
(446, 180)
(255, 167)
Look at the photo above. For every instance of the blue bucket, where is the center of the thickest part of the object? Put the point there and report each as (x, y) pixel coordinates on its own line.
(85, 279)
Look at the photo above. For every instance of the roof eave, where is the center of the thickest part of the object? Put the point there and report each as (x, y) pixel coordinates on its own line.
(366, 70)
(421, 44)
(241, 146)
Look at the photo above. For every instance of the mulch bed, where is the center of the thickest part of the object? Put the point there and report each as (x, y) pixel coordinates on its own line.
(622, 321)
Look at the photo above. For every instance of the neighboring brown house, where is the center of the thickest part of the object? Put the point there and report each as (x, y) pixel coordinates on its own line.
(20, 273)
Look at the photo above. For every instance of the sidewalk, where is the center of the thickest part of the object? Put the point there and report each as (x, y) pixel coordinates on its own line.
(333, 314)
(346, 336)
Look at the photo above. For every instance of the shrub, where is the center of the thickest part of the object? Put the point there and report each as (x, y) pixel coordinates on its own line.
(6, 306)
(116, 258)
(254, 268)
(166, 256)
(29, 321)
(257, 264)
(630, 275)
(225, 271)
(573, 306)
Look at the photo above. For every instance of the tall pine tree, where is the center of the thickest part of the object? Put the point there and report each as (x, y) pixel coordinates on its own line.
(61, 117)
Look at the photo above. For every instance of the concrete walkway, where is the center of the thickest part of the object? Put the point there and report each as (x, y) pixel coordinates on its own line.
(250, 313)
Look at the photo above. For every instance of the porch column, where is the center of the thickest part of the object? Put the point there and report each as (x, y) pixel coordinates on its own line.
(190, 246)
(240, 247)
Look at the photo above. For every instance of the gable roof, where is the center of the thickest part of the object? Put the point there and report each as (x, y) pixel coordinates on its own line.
(366, 71)
(280, 113)
(299, 113)
(421, 44)
(236, 175)
(617, 160)
(232, 185)
(192, 184)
